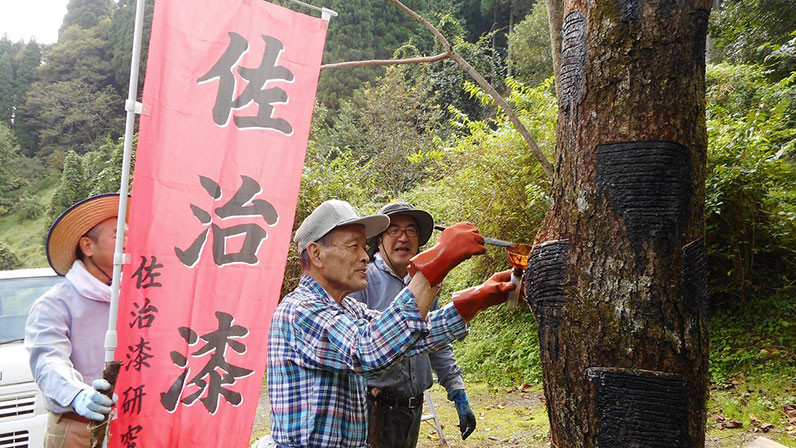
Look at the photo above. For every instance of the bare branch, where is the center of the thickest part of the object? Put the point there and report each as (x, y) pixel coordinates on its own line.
(425, 23)
(419, 60)
(451, 53)
(526, 135)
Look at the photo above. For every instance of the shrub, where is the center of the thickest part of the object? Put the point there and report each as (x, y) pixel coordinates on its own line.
(28, 208)
(8, 259)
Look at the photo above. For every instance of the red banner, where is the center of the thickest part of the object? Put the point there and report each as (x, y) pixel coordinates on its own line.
(230, 88)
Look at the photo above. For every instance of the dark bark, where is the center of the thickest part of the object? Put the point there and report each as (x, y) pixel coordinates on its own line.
(617, 278)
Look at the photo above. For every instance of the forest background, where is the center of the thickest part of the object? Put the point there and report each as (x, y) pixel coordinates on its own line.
(427, 134)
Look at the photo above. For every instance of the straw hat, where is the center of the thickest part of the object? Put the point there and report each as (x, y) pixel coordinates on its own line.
(78, 219)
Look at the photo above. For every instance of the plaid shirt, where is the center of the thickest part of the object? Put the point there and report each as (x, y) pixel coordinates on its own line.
(320, 353)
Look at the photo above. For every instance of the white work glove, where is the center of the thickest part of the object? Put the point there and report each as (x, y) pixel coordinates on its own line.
(92, 404)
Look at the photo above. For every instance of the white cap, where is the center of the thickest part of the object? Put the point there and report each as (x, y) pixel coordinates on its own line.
(332, 214)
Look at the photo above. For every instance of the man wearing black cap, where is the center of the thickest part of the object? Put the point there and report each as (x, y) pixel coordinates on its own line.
(395, 399)
(323, 344)
(66, 326)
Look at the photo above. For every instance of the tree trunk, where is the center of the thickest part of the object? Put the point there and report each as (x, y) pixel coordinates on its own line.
(555, 10)
(508, 47)
(494, 31)
(617, 278)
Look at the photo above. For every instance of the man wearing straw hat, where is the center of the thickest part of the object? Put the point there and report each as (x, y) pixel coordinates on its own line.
(395, 399)
(66, 326)
(323, 344)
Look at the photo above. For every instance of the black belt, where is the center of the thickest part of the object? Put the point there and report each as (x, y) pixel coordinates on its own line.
(392, 401)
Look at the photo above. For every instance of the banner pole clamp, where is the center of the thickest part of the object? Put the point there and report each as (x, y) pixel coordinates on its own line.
(121, 259)
(326, 13)
(133, 106)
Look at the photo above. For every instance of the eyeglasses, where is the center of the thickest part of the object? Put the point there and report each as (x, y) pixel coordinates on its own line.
(395, 232)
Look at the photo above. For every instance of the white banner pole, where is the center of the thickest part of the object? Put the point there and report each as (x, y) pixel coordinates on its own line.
(132, 107)
(119, 257)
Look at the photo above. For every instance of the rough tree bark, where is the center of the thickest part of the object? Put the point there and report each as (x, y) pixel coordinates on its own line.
(617, 280)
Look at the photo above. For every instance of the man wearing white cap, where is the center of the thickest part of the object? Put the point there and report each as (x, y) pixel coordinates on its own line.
(66, 326)
(323, 344)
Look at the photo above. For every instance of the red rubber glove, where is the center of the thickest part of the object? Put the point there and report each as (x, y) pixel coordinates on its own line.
(490, 293)
(456, 244)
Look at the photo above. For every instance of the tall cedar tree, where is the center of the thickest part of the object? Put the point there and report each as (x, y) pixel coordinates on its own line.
(18, 63)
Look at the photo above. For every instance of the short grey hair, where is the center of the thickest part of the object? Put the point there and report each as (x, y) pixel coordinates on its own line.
(324, 241)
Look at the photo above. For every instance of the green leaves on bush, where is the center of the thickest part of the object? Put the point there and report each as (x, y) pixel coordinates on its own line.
(751, 186)
(8, 259)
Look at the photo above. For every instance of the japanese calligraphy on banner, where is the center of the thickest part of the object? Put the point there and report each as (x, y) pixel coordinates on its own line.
(228, 98)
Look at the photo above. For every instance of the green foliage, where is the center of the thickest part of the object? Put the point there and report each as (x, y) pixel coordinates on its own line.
(80, 55)
(121, 37)
(25, 237)
(20, 178)
(781, 61)
(444, 82)
(374, 30)
(329, 173)
(104, 167)
(365, 30)
(74, 102)
(73, 115)
(753, 400)
(9, 154)
(754, 342)
(85, 14)
(95, 172)
(530, 59)
(744, 30)
(508, 356)
(389, 129)
(73, 187)
(751, 194)
(8, 259)
(491, 179)
(27, 208)
(18, 62)
(503, 14)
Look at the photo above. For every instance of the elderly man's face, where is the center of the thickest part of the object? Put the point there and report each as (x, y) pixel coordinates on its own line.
(399, 242)
(344, 261)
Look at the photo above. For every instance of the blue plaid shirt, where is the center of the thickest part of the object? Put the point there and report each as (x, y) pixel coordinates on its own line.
(321, 352)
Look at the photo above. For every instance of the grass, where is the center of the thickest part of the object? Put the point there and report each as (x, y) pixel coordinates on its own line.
(516, 417)
(505, 417)
(755, 399)
(26, 238)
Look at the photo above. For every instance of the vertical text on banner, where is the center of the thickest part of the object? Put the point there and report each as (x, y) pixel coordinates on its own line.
(228, 98)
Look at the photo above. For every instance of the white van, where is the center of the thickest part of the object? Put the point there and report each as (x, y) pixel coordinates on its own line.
(23, 418)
